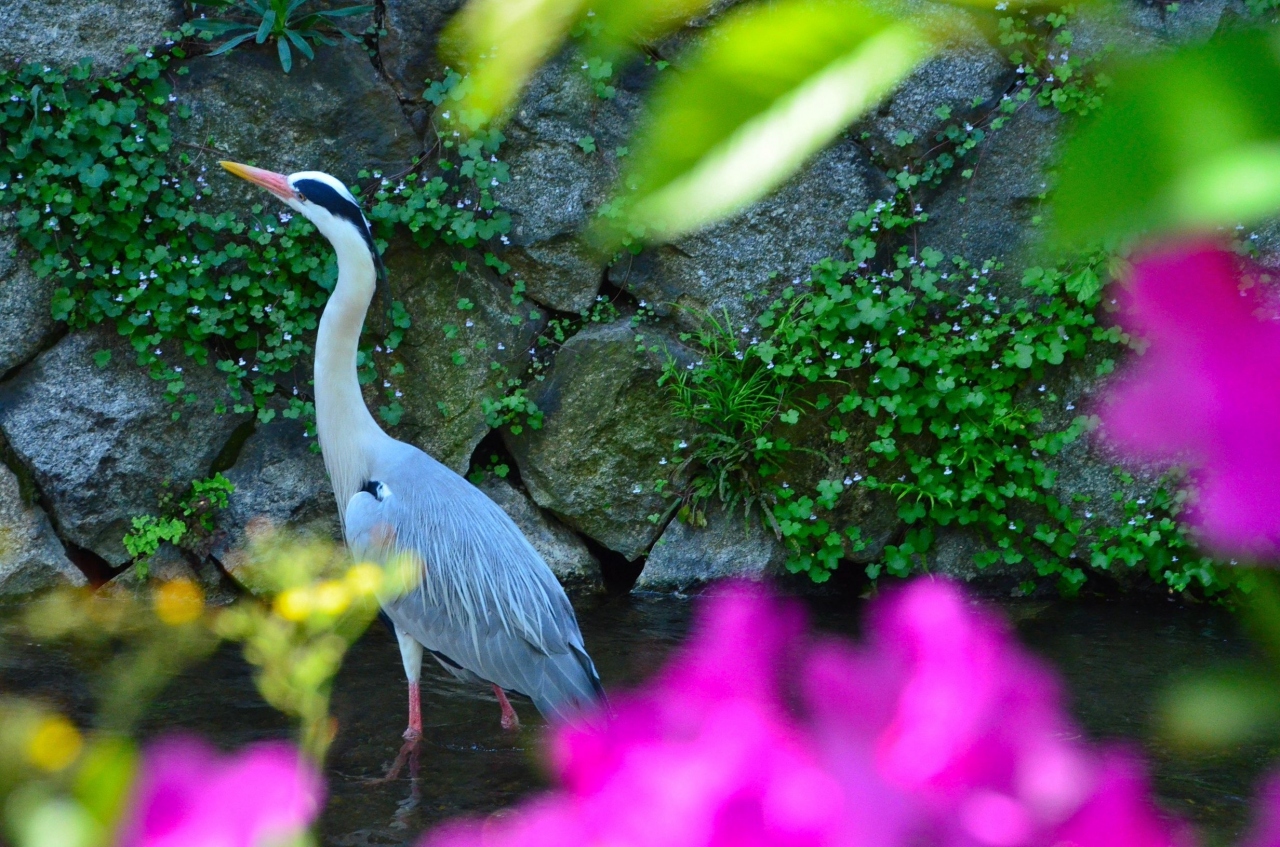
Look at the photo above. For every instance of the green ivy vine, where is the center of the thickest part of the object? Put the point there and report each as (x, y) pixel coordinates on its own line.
(117, 215)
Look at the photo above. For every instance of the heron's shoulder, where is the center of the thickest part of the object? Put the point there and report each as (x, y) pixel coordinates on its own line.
(421, 480)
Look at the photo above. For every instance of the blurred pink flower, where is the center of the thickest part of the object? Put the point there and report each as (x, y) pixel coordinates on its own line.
(1266, 827)
(189, 795)
(1206, 391)
(939, 730)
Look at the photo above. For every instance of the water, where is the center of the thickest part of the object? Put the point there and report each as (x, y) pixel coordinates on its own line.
(1114, 658)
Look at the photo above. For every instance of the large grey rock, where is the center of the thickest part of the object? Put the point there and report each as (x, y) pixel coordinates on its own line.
(334, 115)
(456, 359)
(408, 49)
(727, 547)
(607, 429)
(277, 479)
(991, 215)
(25, 320)
(729, 266)
(954, 78)
(555, 186)
(62, 32)
(101, 441)
(563, 551)
(1135, 26)
(168, 564)
(31, 557)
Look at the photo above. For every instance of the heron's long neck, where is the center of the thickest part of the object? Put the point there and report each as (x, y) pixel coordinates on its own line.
(348, 433)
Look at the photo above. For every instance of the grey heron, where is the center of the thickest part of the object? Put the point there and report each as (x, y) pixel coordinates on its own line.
(479, 598)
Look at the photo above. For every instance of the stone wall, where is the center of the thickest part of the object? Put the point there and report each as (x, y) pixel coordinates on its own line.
(85, 448)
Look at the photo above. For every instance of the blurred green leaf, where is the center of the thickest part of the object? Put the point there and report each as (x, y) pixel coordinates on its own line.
(1221, 709)
(614, 26)
(500, 44)
(774, 85)
(1185, 140)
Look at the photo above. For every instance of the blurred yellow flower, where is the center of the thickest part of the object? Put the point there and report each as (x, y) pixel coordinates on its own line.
(365, 579)
(55, 743)
(331, 597)
(179, 602)
(294, 604)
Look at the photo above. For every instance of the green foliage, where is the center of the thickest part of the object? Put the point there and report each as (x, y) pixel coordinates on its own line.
(281, 21)
(494, 466)
(741, 90)
(187, 522)
(944, 375)
(1151, 536)
(514, 409)
(1041, 45)
(118, 218)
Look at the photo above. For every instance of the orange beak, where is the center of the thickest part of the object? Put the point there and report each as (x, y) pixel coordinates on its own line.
(276, 183)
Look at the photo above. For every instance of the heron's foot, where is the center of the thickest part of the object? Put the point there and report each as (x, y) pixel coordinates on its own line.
(510, 721)
(408, 753)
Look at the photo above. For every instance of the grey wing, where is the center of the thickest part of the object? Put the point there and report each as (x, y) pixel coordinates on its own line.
(479, 596)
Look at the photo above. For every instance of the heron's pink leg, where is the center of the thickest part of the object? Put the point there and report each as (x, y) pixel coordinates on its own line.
(414, 732)
(412, 739)
(509, 719)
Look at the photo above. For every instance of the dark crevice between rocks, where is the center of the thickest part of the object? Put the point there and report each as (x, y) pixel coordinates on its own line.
(410, 104)
(622, 299)
(50, 340)
(230, 452)
(26, 480)
(491, 448)
(618, 573)
(95, 568)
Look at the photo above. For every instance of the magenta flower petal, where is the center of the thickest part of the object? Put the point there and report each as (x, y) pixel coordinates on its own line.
(189, 795)
(1205, 392)
(939, 730)
(1119, 813)
(1266, 826)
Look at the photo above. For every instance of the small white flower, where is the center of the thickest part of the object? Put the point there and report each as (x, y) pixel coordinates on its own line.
(663, 460)
(470, 323)
(848, 481)
(684, 444)
(501, 346)
(1041, 389)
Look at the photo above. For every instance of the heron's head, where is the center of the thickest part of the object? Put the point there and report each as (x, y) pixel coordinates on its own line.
(322, 199)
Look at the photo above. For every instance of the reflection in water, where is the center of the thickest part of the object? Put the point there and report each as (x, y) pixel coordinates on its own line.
(1114, 658)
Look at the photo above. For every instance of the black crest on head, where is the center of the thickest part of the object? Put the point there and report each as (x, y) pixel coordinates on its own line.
(341, 206)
